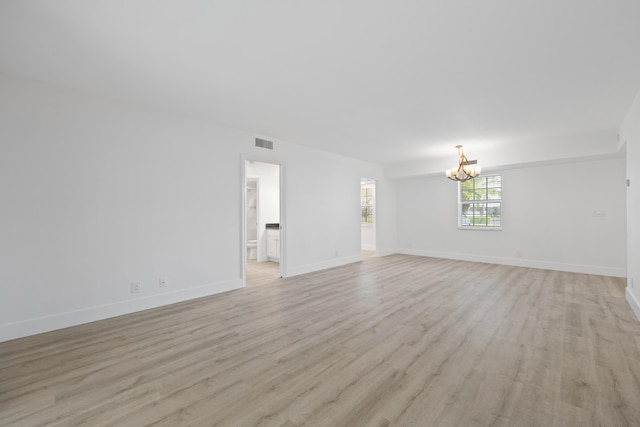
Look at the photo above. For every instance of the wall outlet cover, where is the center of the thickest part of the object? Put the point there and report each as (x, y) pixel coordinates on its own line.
(136, 287)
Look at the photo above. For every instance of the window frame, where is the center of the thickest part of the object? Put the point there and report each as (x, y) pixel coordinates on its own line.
(371, 206)
(484, 201)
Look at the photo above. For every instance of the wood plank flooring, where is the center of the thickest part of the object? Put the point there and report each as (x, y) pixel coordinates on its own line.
(261, 272)
(398, 340)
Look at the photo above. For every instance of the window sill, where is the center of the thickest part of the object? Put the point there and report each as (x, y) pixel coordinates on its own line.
(466, 227)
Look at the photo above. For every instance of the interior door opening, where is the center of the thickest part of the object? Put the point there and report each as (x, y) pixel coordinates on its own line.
(262, 222)
(367, 218)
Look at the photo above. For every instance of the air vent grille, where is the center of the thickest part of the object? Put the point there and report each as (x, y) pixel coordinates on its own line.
(263, 143)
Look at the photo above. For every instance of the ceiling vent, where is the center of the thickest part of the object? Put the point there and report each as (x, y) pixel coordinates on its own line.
(263, 143)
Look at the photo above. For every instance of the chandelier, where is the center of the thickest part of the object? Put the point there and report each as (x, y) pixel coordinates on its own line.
(464, 171)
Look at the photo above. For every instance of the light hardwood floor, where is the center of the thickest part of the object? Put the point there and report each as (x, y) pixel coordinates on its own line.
(261, 272)
(399, 340)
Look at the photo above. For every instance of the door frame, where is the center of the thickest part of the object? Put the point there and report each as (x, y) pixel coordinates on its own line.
(243, 216)
(374, 226)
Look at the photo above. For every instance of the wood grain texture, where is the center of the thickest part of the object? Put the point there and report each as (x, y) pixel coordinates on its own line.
(393, 341)
(259, 273)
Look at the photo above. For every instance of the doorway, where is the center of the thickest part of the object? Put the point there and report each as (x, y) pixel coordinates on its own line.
(368, 217)
(263, 258)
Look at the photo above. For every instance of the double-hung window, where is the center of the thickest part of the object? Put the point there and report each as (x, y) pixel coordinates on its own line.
(367, 193)
(480, 203)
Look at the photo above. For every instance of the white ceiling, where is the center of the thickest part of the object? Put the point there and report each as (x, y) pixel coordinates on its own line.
(383, 81)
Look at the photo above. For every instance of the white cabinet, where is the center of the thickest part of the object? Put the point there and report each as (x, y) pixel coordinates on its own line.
(273, 244)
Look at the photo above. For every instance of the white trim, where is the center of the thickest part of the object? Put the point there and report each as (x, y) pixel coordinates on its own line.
(283, 220)
(53, 322)
(461, 202)
(521, 262)
(368, 247)
(386, 252)
(243, 220)
(633, 302)
(475, 228)
(254, 157)
(336, 262)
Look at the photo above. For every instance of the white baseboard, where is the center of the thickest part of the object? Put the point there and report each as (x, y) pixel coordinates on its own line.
(335, 262)
(385, 252)
(521, 262)
(633, 302)
(39, 325)
(368, 247)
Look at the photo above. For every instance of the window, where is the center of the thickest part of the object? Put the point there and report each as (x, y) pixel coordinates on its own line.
(480, 203)
(367, 194)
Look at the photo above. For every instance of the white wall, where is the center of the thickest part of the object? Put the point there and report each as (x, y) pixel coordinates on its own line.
(368, 236)
(322, 217)
(547, 217)
(630, 135)
(97, 194)
(386, 217)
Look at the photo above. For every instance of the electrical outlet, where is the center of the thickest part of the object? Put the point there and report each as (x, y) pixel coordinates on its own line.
(163, 282)
(136, 287)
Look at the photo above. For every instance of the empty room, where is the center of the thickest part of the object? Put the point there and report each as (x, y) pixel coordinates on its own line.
(279, 213)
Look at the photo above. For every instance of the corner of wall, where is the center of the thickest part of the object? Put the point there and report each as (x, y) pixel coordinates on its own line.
(630, 135)
(386, 252)
(633, 302)
(310, 268)
(519, 262)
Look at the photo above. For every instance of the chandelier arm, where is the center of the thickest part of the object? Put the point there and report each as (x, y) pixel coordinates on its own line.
(460, 174)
